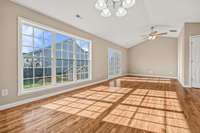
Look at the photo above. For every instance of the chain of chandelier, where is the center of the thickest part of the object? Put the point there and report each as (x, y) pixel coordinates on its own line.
(120, 7)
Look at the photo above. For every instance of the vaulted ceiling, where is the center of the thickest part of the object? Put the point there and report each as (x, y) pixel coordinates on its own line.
(125, 31)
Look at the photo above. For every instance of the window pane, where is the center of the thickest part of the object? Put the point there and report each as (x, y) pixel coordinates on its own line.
(38, 42)
(70, 77)
(28, 72)
(58, 46)
(26, 29)
(65, 55)
(58, 71)
(47, 80)
(58, 54)
(59, 63)
(47, 43)
(47, 35)
(38, 62)
(38, 72)
(47, 72)
(70, 55)
(58, 79)
(47, 53)
(38, 52)
(38, 82)
(65, 70)
(27, 51)
(47, 62)
(61, 38)
(65, 63)
(65, 46)
(28, 83)
(28, 62)
(27, 40)
(86, 76)
(82, 75)
(78, 56)
(84, 45)
(38, 33)
(78, 76)
(65, 78)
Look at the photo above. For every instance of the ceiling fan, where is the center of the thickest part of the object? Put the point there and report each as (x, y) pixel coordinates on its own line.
(154, 34)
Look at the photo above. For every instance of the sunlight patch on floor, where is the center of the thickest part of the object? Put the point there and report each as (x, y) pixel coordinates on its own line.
(152, 120)
(80, 107)
(103, 93)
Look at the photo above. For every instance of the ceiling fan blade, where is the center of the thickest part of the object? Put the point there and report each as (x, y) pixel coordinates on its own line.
(161, 34)
(153, 33)
(144, 35)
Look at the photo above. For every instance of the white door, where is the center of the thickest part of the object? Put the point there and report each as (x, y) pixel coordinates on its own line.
(195, 61)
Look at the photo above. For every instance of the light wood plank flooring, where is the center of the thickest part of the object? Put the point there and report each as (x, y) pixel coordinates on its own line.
(123, 105)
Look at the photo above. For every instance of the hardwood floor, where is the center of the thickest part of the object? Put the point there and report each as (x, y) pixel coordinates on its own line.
(123, 105)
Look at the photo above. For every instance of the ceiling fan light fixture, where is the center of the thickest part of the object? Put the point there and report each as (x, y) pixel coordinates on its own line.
(106, 13)
(128, 3)
(121, 12)
(150, 38)
(100, 5)
(153, 37)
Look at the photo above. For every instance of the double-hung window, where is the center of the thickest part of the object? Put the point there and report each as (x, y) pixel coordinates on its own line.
(114, 63)
(49, 58)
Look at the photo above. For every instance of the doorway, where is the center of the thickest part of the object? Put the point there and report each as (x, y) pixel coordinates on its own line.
(195, 61)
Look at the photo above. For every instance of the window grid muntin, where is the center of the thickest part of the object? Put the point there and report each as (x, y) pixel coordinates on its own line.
(53, 65)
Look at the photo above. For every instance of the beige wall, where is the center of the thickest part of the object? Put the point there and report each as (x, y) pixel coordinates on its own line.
(157, 57)
(8, 50)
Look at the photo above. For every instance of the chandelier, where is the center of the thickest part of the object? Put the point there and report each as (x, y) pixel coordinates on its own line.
(118, 6)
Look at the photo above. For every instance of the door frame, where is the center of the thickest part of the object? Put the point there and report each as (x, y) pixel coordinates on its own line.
(190, 59)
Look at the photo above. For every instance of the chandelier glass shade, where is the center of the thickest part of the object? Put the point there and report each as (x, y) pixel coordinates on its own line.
(120, 7)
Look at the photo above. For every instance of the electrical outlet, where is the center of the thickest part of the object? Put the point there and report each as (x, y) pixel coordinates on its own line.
(170, 73)
(4, 92)
(150, 72)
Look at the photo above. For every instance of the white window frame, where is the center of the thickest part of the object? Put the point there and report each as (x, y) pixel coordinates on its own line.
(21, 90)
(120, 63)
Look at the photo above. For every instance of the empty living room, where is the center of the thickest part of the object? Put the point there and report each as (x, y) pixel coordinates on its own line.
(99, 66)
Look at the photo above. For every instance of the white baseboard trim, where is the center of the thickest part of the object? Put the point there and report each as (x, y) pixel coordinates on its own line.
(21, 102)
(183, 85)
(114, 77)
(156, 76)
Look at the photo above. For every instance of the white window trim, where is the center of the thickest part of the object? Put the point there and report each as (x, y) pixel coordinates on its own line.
(120, 73)
(21, 90)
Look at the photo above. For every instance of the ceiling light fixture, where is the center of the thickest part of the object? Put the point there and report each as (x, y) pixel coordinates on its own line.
(151, 37)
(119, 6)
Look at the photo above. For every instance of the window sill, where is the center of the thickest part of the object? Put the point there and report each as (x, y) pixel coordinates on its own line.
(22, 92)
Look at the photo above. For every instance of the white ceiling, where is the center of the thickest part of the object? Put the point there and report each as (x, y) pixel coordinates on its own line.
(125, 31)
